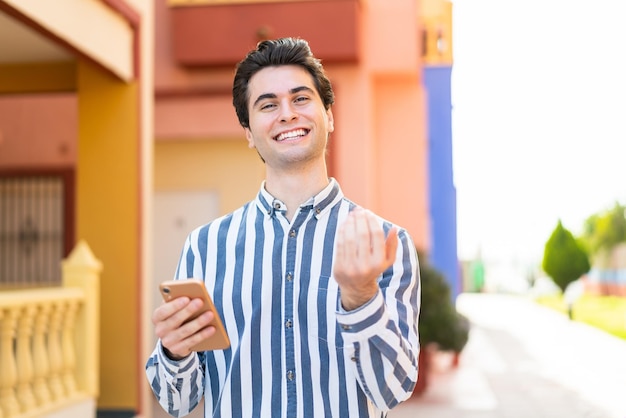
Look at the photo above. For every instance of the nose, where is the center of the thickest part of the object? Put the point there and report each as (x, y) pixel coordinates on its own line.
(287, 112)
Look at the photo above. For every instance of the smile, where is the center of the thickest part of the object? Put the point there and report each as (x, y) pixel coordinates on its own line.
(291, 135)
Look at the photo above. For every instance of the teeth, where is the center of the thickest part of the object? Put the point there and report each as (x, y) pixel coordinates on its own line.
(291, 134)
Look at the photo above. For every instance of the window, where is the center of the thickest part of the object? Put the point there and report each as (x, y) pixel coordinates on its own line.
(34, 229)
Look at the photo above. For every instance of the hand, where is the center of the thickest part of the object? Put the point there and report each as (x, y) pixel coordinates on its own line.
(362, 253)
(176, 335)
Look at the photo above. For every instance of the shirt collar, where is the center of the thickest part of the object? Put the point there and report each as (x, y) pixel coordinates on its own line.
(320, 203)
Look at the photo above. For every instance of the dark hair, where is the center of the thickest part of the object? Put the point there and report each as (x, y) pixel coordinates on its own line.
(270, 53)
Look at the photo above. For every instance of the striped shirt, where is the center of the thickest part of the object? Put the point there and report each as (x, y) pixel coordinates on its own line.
(294, 351)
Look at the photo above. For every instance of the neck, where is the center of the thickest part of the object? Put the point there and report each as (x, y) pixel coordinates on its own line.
(294, 189)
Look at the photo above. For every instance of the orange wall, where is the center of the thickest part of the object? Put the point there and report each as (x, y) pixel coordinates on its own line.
(38, 130)
(203, 116)
(402, 154)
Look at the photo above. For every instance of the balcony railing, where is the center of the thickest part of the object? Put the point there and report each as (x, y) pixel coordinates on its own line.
(49, 343)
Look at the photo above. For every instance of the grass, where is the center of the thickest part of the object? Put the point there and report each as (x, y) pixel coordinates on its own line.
(607, 313)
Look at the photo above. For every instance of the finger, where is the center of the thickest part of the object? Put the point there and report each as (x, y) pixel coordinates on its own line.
(190, 310)
(179, 340)
(340, 250)
(167, 309)
(363, 241)
(173, 323)
(376, 238)
(391, 246)
(349, 236)
(196, 325)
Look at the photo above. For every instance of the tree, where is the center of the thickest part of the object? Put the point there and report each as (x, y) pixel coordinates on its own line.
(564, 258)
(602, 231)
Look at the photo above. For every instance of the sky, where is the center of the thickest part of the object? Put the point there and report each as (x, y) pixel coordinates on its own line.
(538, 120)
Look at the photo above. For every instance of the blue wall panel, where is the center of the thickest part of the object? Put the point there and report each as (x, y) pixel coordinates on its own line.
(442, 193)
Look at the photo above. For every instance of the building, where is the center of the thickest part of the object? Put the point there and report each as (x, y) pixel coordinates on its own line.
(75, 163)
(127, 104)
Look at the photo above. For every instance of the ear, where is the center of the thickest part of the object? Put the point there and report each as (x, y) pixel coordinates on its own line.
(331, 120)
(249, 137)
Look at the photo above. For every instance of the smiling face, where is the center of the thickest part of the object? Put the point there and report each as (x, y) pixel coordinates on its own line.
(289, 125)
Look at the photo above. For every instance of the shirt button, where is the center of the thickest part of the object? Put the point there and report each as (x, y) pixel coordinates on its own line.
(346, 327)
(288, 323)
(290, 375)
(353, 358)
(289, 276)
(317, 210)
(292, 233)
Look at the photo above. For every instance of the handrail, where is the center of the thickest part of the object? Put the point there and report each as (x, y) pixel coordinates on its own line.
(49, 341)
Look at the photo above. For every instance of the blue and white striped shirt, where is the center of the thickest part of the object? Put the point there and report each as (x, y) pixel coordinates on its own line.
(294, 351)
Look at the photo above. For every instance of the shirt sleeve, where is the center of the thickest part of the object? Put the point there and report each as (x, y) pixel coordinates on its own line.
(177, 385)
(381, 338)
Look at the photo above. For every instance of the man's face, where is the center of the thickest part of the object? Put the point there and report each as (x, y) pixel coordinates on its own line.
(288, 121)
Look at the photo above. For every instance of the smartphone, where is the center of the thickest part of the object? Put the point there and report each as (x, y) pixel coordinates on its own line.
(194, 289)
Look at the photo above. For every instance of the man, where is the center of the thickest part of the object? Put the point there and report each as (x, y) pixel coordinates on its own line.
(320, 298)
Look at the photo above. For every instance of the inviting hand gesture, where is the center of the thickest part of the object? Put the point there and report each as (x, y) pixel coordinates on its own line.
(361, 254)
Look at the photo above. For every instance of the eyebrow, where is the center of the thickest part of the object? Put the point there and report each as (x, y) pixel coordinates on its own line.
(273, 96)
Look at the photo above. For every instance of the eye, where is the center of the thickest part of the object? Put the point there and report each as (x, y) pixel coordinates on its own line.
(267, 106)
(301, 99)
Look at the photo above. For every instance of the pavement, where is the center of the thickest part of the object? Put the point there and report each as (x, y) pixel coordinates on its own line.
(523, 360)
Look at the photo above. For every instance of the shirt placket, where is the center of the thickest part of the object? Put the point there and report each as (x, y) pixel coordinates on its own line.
(290, 361)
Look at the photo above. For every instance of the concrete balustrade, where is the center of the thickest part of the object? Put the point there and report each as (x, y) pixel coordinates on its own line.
(49, 339)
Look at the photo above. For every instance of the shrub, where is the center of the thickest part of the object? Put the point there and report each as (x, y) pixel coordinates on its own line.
(439, 321)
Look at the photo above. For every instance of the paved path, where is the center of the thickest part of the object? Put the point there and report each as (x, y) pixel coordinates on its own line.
(525, 361)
